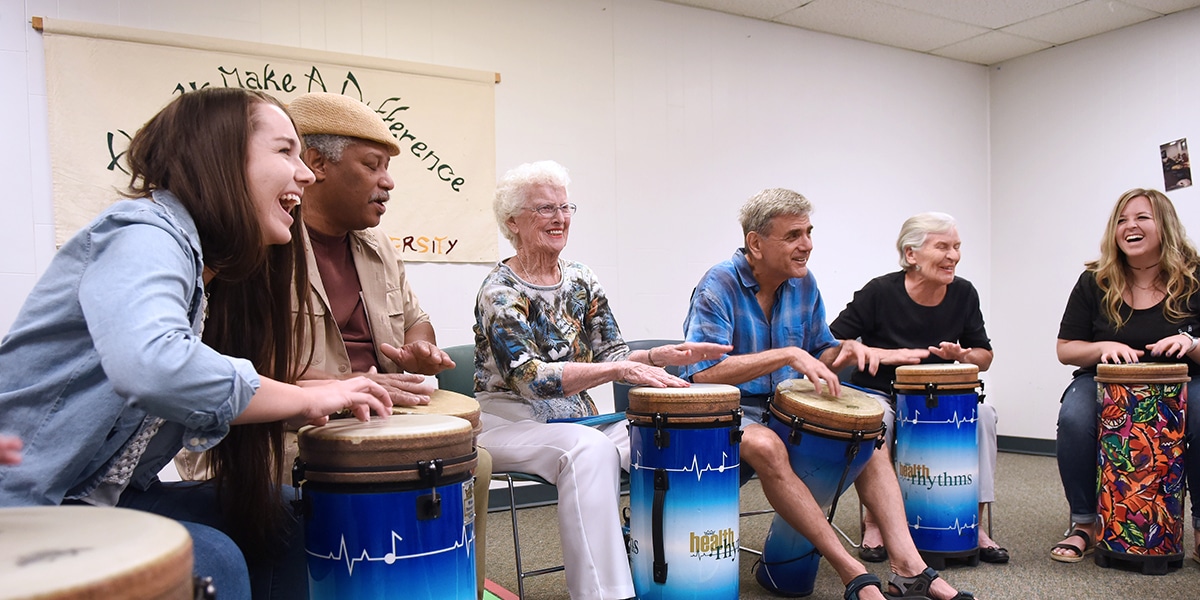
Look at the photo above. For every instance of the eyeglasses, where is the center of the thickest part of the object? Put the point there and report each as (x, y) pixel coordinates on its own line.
(549, 210)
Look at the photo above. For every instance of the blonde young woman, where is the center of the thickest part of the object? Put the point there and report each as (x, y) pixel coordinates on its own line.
(1137, 303)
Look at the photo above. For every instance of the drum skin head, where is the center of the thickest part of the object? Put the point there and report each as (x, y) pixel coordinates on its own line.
(714, 399)
(1143, 373)
(384, 450)
(946, 376)
(78, 552)
(852, 411)
(446, 402)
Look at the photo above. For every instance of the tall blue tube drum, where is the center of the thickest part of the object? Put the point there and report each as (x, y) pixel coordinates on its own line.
(683, 491)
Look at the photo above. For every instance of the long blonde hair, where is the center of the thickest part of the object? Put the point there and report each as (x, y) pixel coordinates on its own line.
(1177, 261)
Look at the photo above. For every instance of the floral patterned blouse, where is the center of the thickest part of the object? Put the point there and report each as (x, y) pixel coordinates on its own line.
(525, 334)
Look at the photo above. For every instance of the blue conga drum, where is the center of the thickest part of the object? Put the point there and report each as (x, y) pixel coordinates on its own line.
(829, 441)
(683, 491)
(388, 507)
(1139, 499)
(937, 459)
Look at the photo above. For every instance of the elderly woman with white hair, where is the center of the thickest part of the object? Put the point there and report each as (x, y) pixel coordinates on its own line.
(544, 335)
(924, 313)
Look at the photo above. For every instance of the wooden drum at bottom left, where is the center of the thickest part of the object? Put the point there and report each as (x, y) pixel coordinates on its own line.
(78, 552)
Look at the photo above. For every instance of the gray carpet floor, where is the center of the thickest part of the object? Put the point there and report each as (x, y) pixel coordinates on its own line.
(1030, 516)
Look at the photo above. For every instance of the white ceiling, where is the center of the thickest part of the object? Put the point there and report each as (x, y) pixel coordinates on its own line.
(984, 32)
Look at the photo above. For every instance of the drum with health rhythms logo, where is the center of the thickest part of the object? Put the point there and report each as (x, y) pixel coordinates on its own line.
(683, 491)
(937, 459)
(1141, 480)
(388, 507)
(829, 441)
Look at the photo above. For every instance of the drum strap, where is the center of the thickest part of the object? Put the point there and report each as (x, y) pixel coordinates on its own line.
(661, 485)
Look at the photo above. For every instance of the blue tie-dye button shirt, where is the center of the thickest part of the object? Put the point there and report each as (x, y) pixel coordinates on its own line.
(725, 310)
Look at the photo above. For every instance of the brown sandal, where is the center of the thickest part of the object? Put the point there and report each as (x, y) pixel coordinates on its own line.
(1077, 554)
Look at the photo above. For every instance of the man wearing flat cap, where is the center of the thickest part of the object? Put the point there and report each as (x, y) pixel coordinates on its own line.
(368, 319)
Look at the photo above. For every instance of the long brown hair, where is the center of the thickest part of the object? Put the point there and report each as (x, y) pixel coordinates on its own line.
(1178, 260)
(196, 148)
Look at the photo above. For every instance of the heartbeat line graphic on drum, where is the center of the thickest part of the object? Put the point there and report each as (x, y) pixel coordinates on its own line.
(956, 527)
(953, 419)
(695, 468)
(389, 558)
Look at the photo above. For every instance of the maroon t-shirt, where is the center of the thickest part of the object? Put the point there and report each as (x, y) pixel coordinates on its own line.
(340, 279)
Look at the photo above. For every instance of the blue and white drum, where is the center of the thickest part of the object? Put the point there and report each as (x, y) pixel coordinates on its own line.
(937, 458)
(388, 507)
(683, 491)
(829, 441)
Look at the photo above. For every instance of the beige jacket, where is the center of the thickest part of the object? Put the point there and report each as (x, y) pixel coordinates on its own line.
(391, 305)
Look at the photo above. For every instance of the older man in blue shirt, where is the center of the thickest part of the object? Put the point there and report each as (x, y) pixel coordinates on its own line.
(765, 303)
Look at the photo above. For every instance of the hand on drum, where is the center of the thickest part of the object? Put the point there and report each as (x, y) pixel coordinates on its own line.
(358, 394)
(405, 389)
(636, 373)
(1174, 346)
(950, 351)
(816, 370)
(677, 355)
(418, 357)
(1116, 352)
(864, 357)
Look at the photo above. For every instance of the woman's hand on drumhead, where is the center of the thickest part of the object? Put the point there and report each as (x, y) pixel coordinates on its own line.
(950, 351)
(405, 389)
(358, 394)
(862, 356)
(637, 373)
(1173, 346)
(1116, 352)
(677, 355)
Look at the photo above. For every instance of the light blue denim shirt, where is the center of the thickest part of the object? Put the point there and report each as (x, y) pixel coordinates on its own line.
(111, 333)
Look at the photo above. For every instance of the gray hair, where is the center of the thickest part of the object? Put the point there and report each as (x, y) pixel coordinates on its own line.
(330, 146)
(758, 211)
(515, 187)
(917, 228)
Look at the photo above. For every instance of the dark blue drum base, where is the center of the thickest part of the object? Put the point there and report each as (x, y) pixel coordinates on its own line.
(937, 560)
(1159, 564)
(801, 574)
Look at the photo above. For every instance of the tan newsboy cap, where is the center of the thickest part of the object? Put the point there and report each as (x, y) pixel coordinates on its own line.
(335, 114)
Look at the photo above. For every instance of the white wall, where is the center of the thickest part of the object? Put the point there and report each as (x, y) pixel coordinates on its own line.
(668, 117)
(1072, 128)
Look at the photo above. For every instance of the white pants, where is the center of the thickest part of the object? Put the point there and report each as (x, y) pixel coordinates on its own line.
(585, 464)
(985, 436)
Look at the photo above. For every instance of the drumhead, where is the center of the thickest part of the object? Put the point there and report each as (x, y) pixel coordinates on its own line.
(701, 402)
(1143, 373)
(76, 552)
(446, 402)
(951, 376)
(833, 415)
(385, 450)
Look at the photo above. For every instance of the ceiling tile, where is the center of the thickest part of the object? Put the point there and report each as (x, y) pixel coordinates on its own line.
(757, 9)
(985, 13)
(1081, 20)
(1164, 7)
(991, 48)
(880, 23)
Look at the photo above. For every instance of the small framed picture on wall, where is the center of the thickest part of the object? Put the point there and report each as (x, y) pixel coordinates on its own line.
(1177, 171)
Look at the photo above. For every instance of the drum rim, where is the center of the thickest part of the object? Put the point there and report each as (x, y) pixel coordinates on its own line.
(1145, 373)
(789, 420)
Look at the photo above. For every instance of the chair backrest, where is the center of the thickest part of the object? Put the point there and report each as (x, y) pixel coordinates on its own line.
(621, 390)
(461, 378)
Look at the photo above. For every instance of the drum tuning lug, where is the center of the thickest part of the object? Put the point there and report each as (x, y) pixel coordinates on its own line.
(662, 438)
(931, 399)
(430, 470)
(204, 588)
(981, 396)
(297, 472)
(429, 506)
